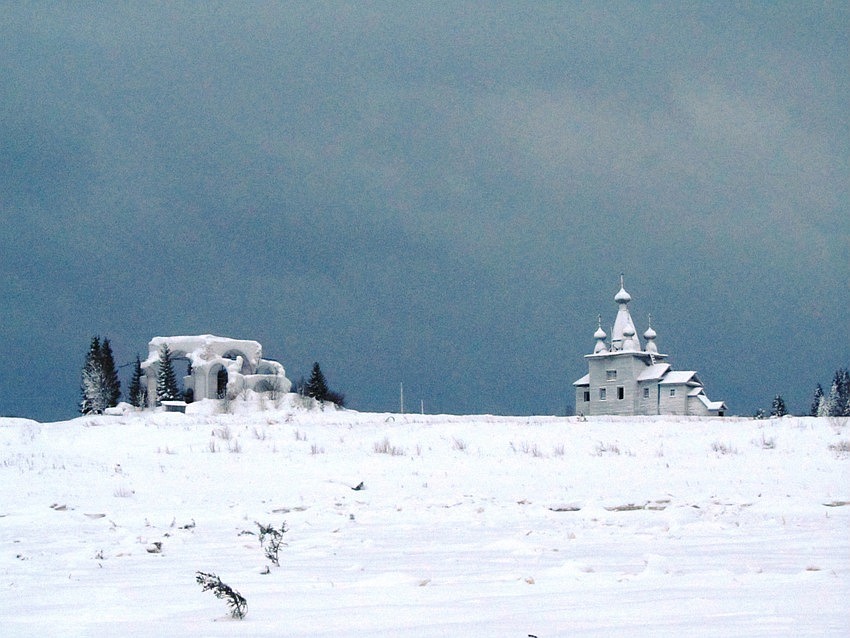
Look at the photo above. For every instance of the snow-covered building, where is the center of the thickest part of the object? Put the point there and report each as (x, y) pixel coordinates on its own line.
(217, 366)
(626, 378)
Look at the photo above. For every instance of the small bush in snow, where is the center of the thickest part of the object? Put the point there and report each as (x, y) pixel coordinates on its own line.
(608, 448)
(838, 423)
(840, 449)
(766, 443)
(723, 448)
(235, 601)
(270, 540)
(384, 447)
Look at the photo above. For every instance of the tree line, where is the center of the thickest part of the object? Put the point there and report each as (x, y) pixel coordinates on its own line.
(837, 401)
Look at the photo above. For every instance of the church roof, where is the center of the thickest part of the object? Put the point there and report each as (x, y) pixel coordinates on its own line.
(624, 336)
(679, 377)
(585, 380)
(711, 405)
(653, 372)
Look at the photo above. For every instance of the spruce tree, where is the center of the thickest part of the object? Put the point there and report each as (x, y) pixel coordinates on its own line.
(317, 387)
(778, 407)
(92, 383)
(112, 386)
(166, 381)
(831, 403)
(816, 400)
(842, 382)
(137, 393)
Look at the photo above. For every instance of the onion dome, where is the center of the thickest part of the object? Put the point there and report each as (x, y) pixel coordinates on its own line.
(622, 296)
(599, 335)
(650, 335)
(629, 341)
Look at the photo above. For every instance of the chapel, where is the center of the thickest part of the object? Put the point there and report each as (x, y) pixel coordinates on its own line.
(625, 377)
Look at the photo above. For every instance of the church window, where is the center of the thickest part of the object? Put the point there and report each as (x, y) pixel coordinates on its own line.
(672, 392)
(587, 396)
(602, 394)
(621, 393)
(610, 375)
(646, 393)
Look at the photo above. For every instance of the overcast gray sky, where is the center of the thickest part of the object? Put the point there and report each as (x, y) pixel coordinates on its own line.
(442, 194)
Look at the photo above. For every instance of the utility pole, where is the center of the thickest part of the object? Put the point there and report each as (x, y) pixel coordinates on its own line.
(401, 398)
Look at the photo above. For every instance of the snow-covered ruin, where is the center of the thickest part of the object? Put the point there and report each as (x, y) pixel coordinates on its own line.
(218, 367)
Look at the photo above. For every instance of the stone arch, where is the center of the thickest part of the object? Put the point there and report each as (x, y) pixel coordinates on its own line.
(217, 382)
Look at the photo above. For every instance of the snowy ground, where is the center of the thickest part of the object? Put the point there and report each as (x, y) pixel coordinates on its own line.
(466, 526)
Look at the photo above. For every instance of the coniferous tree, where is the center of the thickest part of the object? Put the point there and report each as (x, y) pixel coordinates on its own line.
(166, 380)
(823, 406)
(830, 403)
(92, 383)
(816, 401)
(842, 384)
(317, 387)
(138, 394)
(112, 386)
(777, 409)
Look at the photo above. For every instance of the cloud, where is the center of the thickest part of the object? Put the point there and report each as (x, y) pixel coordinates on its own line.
(424, 189)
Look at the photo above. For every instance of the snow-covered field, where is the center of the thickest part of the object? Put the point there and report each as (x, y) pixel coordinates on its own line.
(466, 526)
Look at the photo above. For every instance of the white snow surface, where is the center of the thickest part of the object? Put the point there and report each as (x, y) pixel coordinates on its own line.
(466, 526)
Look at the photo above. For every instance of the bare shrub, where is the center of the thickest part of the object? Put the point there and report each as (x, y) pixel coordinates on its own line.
(840, 449)
(528, 448)
(225, 404)
(612, 449)
(558, 450)
(123, 491)
(384, 447)
(271, 540)
(235, 601)
(316, 449)
(838, 423)
(224, 433)
(300, 436)
(458, 444)
(766, 443)
(723, 448)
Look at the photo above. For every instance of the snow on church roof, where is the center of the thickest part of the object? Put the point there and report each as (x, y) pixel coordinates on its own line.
(679, 377)
(653, 372)
(711, 405)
